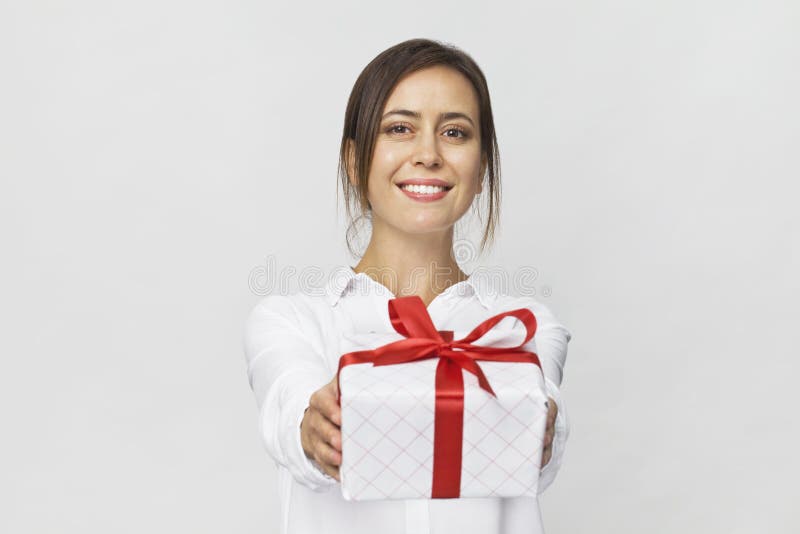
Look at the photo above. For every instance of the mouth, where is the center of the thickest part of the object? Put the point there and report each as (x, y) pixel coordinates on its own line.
(425, 193)
(424, 185)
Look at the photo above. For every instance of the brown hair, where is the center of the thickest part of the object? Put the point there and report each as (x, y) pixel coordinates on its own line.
(363, 115)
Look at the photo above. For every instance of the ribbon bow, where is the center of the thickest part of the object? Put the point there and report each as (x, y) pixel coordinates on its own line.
(422, 341)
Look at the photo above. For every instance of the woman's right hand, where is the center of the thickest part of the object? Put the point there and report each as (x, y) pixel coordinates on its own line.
(319, 430)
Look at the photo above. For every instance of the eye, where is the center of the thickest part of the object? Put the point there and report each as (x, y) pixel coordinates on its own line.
(459, 132)
(398, 128)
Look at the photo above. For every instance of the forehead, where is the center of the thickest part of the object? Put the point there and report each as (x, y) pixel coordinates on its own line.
(437, 88)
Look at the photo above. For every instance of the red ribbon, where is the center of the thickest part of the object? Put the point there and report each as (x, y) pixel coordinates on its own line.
(422, 341)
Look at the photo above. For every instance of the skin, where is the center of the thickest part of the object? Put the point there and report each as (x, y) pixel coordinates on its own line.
(407, 234)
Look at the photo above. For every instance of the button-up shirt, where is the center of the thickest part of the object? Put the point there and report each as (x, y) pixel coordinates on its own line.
(292, 349)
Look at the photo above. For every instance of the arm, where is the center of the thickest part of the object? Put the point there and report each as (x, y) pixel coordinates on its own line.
(551, 345)
(284, 370)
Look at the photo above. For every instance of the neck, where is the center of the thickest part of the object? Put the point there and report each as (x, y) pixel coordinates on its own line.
(411, 264)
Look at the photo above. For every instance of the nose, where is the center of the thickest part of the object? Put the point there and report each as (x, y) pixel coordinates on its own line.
(426, 151)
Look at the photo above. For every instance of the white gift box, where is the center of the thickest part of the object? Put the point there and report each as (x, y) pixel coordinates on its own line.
(388, 427)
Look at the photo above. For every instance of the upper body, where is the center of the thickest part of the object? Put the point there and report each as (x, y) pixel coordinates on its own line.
(292, 348)
(418, 150)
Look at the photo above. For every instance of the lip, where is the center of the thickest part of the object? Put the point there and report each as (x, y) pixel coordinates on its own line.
(425, 181)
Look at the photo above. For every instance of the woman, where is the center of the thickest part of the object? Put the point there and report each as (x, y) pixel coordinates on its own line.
(418, 149)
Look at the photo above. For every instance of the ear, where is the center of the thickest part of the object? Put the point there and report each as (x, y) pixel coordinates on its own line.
(350, 161)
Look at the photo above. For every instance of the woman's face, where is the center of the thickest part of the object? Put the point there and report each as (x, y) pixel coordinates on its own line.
(429, 131)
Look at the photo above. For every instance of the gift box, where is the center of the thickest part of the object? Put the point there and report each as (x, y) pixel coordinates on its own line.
(425, 415)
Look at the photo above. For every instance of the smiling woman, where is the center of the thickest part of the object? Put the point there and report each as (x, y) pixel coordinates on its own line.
(418, 150)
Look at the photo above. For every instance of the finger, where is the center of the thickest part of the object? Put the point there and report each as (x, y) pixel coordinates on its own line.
(328, 459)
(548, 438)
(333, 472)
(335, 414)
(335, 383)
(333, 409)
(324, 401)
(550, 429)
(552, 408)
(330, 470)
(546, 455)
(552, 413)
(325, 454)
(551, 423)
(328, 433)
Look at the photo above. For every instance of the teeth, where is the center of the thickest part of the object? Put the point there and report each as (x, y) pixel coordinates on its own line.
(424, 189)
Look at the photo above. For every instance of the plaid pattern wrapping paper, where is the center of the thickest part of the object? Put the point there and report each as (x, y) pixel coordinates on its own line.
(424, 416)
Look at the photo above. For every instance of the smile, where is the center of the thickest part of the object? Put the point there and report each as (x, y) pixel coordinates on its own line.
(424, 193)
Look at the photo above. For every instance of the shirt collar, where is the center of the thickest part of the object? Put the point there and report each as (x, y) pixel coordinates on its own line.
(344, 279)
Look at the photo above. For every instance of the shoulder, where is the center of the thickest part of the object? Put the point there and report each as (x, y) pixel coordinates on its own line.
(296, 310)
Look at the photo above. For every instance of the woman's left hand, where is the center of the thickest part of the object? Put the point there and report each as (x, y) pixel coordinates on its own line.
(550, 431)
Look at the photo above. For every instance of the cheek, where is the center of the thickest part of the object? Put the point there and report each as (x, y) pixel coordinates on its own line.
(469, 166)
(387, 156)
(385, 163)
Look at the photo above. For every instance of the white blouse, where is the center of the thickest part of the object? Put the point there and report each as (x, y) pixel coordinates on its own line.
(291, 345)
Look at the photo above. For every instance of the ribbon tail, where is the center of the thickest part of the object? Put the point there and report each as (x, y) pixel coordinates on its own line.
(448, 430)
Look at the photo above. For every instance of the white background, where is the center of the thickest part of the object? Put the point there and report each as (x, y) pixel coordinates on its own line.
(155, 154)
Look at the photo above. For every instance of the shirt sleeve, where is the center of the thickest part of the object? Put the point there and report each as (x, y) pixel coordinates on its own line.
(284, 369)
(551, 340)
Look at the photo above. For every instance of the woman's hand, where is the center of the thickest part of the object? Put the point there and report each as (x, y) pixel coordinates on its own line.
(319, 430)
(550, 431)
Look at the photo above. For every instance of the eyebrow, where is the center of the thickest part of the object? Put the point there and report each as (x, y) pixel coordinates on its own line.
(442, 116)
